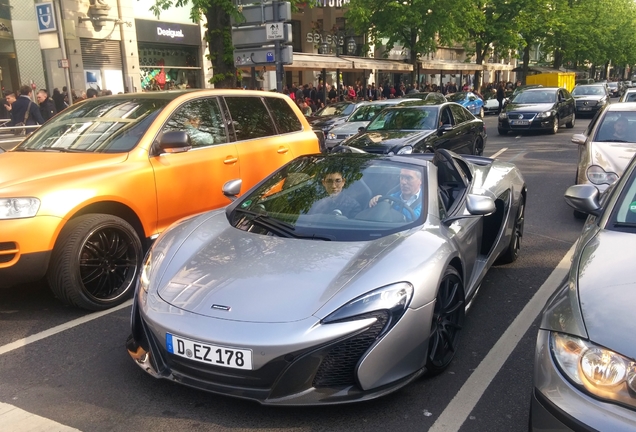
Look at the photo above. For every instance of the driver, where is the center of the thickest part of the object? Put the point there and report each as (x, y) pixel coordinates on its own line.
(410, 193)
(336, 202)
(620, 129)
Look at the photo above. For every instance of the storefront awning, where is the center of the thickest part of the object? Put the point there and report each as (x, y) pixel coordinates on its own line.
(308, 61)
(364, 63)
(442, 65)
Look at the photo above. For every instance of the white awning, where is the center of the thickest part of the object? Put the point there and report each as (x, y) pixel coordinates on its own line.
(308, 61)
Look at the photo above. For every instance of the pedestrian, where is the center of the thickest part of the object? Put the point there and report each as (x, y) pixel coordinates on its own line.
(25, 112)
(91, 93)
(9, 98)
(47, 106)
(58, 99)
(501, 95)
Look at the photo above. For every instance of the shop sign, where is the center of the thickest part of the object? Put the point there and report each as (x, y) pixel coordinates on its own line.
(5, 29)
(317, 38)
(170, 33)
(46, 19)
(329, 3)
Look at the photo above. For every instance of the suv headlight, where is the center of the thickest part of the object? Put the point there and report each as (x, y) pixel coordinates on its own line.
(503, 115)
(594, 369)
(545, 114)
(405, 150)
(17, 208)
(392, 298)
(331, 136)
(597, 175)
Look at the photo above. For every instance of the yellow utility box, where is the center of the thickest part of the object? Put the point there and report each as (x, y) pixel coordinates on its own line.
(553, 79)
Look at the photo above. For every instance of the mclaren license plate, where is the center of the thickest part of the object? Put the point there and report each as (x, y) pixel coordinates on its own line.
(210, 354)
(519, 122)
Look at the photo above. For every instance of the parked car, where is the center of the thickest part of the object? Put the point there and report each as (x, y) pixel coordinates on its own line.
(85, 194)
(585, 357)
(470, 101)
(361, 117)
(491, 104)
(521, 88)
(423, 128)
(606, 146)
(614, 89)
(629, 95)
(583, 81)
(590, 98)
(293, 296)
(543, 108)
(333, 115)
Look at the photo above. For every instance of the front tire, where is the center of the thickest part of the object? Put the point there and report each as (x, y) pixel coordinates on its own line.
(95, 262)
(482, 114)
(555, 126)
(448, 319)
(478, 149)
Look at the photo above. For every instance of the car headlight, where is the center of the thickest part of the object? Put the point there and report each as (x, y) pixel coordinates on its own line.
(17, 208)
(594, 369)
(503, 115)
(146, 267)
(545, 114)
(392, 298)
(600, 102)
(331, 136)
(597, 175)
(405, 150)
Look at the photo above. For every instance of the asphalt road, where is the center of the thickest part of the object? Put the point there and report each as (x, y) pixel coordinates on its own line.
(83, 378)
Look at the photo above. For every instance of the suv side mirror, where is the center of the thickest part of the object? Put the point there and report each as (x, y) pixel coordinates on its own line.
(172, 142)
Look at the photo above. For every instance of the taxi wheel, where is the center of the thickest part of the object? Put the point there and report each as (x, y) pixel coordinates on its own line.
(448, 319)
(95, 262)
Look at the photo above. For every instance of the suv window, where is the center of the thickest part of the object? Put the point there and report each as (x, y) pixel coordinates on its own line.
(285, 118)
(250, 118)
(201, 119)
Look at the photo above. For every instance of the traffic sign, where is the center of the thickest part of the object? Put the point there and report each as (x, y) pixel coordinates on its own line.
(262, 13)
(262, 56)
(261, 35)
(62, 63)
(45, 17)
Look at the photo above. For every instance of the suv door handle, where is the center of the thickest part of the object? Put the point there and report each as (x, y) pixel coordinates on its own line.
(282, 150)
(230, 160)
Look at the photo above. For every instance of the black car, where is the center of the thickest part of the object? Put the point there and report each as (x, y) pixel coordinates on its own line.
(590, 98)
(543, 108)
(420, 129)
(615, 89)
(332, 115)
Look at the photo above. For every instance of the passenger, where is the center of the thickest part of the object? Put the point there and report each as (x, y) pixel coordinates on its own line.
(336, 202)
(199, 138)
(410, 193)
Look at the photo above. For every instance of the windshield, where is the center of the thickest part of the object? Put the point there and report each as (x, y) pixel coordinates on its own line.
(534, 96)
(106, 125)
(456, 97)
(365, 113)
(422, 118)
(612, 85)
(335, 109)
(630, 97)
(617, 126)
(588, 91)
(330, 198)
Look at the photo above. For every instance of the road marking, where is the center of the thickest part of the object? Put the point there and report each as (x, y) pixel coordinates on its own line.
(58, 329)
(455, 414)
(17, 420)
(498, 153)
(515, 157)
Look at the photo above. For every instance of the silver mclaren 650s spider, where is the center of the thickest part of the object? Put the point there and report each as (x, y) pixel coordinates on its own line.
(338, 278)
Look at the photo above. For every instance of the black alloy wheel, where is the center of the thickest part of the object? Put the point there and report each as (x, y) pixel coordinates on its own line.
(95, 262)
(448, 319)
(514, 247)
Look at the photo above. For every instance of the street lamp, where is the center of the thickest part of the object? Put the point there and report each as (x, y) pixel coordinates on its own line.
(324, 47)
(351, 46)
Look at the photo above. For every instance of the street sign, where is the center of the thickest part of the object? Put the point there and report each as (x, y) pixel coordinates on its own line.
(262, 56)
(261, 35)
(62, 63)
(259, 14)
(45, 17)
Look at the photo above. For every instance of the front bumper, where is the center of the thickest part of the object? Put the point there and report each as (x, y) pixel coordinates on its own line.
(533, 124)
(559, 406)
(25, 248)
(294, 364)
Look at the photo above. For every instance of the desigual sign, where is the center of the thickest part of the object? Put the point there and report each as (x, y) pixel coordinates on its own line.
(170, 33)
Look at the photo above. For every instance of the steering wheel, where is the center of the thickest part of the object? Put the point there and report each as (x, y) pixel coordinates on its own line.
(401, 202)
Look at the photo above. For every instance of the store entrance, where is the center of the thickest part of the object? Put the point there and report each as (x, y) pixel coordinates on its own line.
(169, 67)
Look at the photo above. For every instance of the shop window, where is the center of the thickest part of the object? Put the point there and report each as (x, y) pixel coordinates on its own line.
(201, 119)
(285, 118)
(250, 118)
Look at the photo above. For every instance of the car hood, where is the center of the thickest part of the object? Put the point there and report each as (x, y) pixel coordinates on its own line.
(18, 168)
(327, 121)
(612, 156)
(589, 98)
(529, 107)
(349, 127)
(607, 291)
(491, 103)
(388, 139)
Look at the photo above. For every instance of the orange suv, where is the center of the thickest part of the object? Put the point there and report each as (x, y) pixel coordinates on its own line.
(83, 196)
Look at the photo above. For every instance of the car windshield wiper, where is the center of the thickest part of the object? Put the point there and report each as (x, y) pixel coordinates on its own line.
(279, 227)
(614, 140)
(625, 224)
(51, 149)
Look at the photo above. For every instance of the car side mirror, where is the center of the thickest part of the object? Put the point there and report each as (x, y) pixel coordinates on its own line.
(444, 128)
(479, 205)
(361, 129)
(584, 198)
(579, 139)
(172, 142)
(232, 188)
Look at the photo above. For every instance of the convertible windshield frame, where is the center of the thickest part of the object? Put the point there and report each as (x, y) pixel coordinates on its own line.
(102, 125)
(295, 201)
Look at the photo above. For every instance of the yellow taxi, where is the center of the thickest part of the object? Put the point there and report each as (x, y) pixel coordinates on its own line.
(84, 195)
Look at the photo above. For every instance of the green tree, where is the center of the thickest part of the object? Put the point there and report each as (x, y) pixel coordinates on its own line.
(536, 20)
(418, 25)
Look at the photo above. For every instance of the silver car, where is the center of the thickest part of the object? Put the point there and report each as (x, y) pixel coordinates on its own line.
(339, 278)
(607, 146)
(585, 360)
(359, 119)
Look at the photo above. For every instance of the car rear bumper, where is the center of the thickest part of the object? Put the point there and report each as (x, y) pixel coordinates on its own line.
(557, 405)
